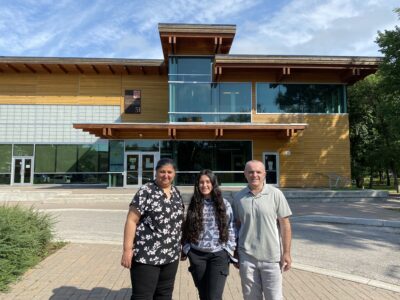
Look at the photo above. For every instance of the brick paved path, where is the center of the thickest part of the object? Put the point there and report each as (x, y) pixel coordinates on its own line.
(83, 271)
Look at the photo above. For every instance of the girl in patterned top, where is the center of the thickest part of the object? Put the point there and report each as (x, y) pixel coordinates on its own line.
(152, 235)
(209, 237)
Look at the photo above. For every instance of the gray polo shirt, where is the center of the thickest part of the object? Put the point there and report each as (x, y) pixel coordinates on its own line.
(258, 233)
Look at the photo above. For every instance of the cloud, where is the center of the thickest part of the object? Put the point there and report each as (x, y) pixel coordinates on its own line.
(128, 28)
(333, 27)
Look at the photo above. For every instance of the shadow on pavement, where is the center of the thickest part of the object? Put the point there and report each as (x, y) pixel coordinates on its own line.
(70, 292)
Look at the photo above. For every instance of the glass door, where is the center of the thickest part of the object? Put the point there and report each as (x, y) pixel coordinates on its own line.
(139, 168)
(22, 170)
(271, 162)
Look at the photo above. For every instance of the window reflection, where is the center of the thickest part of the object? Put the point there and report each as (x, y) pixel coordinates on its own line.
(300, 98)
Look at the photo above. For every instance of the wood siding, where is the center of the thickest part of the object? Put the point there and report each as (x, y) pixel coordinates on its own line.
(80, 89)
(321, 151)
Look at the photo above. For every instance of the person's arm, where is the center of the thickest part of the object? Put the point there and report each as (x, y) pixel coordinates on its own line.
(286, 233)
(132, 219)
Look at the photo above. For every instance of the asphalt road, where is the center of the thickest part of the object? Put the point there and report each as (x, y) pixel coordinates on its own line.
(371, 252)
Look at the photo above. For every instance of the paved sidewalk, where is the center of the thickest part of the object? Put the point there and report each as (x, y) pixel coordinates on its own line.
(87, 271)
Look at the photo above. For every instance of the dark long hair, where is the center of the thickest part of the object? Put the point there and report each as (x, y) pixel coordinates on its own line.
(193, 225)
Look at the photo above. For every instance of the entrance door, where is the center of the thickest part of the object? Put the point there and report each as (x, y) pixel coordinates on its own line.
(271, 161)
(139, 168)
(22, 170)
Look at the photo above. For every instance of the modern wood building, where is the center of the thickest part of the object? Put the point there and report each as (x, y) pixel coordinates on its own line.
(83, 120)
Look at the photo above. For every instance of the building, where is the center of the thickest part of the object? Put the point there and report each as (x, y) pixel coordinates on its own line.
(83, 120)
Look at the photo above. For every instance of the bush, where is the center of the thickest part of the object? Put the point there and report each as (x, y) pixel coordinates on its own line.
(25, 235)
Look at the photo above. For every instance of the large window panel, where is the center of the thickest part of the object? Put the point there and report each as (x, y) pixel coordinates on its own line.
(300, 98)
(5, 158)
(66, 160)
(23, 150)
(116, 155)
(234, 97)
(190, 69)
(45, 158)
(227, 158)
(88, 158)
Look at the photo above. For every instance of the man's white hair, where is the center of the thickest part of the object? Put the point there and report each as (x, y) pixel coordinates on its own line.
(254, 161)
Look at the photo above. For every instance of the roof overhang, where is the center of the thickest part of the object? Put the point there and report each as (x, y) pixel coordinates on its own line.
(191, 131)
(86, 66)
(350, 69)
(198, 39)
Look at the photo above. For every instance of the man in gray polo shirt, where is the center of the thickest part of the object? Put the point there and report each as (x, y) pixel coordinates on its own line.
(258, 209)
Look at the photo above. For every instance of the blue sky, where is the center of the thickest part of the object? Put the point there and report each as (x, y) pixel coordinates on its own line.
(128, 28)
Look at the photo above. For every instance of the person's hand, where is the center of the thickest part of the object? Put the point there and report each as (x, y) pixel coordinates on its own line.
(126, 259)
(286, 262)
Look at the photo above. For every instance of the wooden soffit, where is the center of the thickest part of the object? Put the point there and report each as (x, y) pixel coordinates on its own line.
(85, 66)
(197, 131)
(349, 68)
(196, 39)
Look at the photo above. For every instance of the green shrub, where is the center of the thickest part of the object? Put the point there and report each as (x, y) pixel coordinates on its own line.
(25, 235)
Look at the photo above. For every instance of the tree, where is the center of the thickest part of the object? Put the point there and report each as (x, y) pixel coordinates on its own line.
(374, 113)
(389, 43)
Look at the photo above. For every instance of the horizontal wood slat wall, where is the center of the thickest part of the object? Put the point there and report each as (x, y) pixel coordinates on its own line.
(319, 151)
(78, 89)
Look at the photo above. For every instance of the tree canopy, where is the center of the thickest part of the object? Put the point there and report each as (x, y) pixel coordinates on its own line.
(374, 113)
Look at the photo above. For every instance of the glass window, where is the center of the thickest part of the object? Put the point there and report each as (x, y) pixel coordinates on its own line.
(66, 160)
(225, 102)
(234, 97)
(190, 69)
(45, 158)
(300, 98)
(23, 150)
(192, 156)
(140, 145)
(102, 149)
(116, 155)
(5, 158)
(88, 158)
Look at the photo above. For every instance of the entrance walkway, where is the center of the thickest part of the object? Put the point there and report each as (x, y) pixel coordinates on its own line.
(88, 271)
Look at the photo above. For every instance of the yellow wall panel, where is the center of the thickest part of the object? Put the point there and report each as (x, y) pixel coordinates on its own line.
(320, 151)
(154, 102)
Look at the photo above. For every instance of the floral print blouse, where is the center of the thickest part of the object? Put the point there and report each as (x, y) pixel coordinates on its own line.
(158, 234)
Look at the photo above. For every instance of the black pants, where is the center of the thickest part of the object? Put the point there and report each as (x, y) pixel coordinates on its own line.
(209, 271)
(151, 282)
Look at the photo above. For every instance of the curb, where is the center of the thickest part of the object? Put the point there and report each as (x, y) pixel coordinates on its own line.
(349, 277)
(348, 220)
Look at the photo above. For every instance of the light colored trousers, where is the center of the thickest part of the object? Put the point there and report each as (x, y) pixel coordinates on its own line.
(260, 277)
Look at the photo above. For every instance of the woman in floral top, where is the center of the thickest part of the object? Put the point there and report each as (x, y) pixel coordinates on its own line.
(209, 237)
(152, 235)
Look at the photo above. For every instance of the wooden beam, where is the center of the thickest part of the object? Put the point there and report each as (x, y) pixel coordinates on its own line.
(143, 70)
(172, 43)
(351, 74)
(62, 68)
(15, 69)
(95, 69)
(221, 132)
(127, 70)
(283, 74)
(46, 68)
(1, 70)
(217, 73)
(217, 44)
(160, 71)
(111, 69)
(30, 68)
(79, 69)
(216, 132)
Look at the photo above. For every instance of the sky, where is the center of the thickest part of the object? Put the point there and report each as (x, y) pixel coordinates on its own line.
(128, 28)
